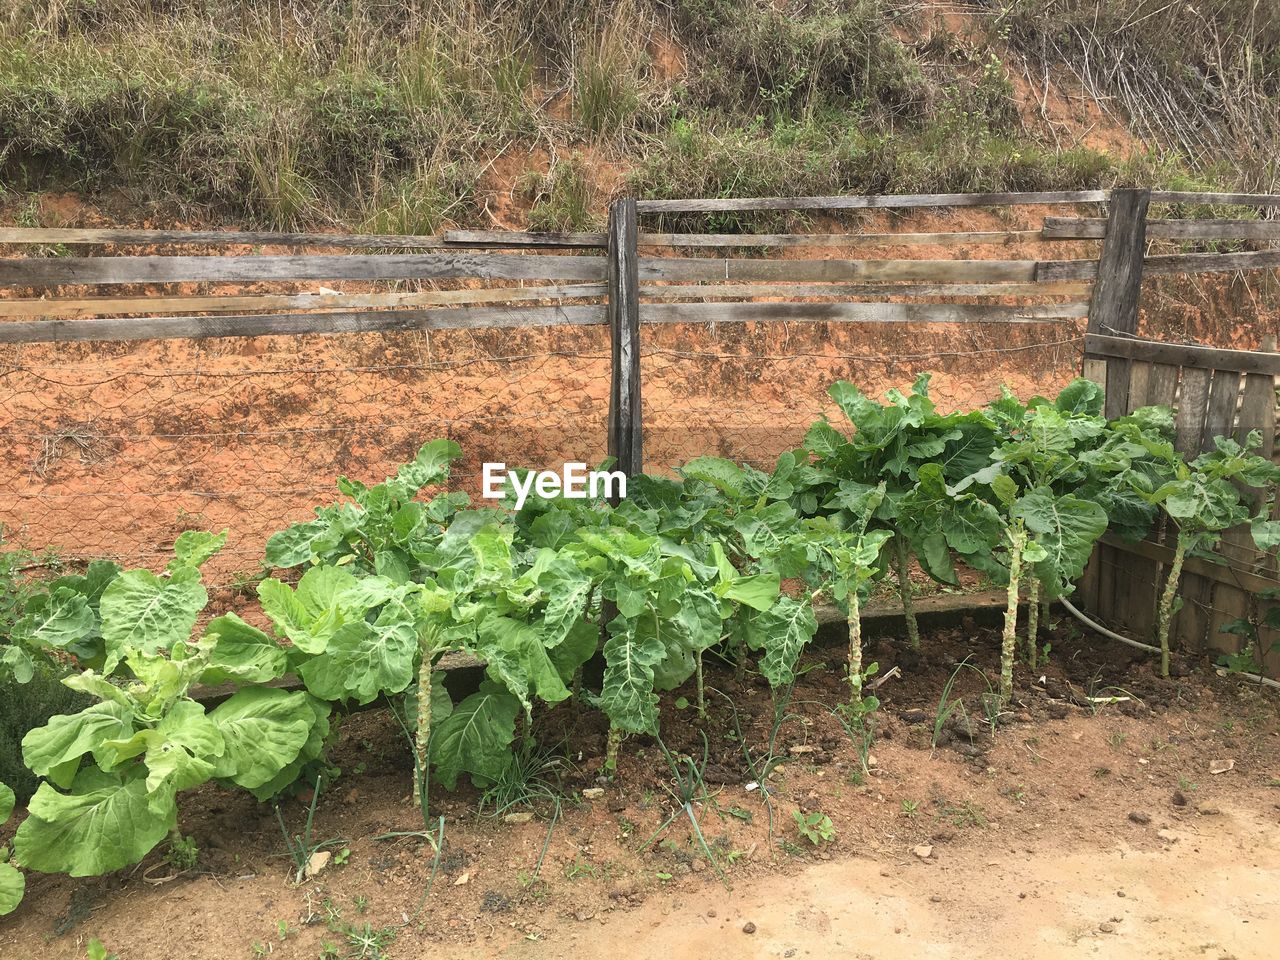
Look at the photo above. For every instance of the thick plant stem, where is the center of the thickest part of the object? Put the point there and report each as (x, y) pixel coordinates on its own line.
(1017, 541)
(904, 590)
(611, 751)
(1166, 604)
(1033, 619)
(855, 648)
(422, 740)
(702, 693)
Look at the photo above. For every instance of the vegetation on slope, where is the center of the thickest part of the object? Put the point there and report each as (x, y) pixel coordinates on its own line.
(389, 116)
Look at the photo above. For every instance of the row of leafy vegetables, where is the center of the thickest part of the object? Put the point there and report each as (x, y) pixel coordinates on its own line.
(378, 587)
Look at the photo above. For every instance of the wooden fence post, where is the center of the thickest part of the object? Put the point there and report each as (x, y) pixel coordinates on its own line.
(626, 441)
(1113, 309)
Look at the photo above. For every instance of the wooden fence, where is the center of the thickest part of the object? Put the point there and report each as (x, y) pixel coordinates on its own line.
(476, 279)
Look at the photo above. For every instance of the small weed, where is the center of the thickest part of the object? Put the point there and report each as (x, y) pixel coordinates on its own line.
(817, 828)
(746, 816)
(664, 877)
(966, 814)
(96, 951)
(1116, 740)
(362, 903)
(1186, 785)
(368, 942)
(283, 930)
(182, 853)
(579, 868)
(911, 808)
(342, 857)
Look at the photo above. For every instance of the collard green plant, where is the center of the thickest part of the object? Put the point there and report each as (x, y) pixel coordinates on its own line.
(1201, 500)
(113, 771)
(12, 882)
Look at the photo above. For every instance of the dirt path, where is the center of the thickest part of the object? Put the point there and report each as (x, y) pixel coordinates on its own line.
(1213, 891)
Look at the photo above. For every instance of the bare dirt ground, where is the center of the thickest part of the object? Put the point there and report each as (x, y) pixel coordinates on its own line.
(1081, 828)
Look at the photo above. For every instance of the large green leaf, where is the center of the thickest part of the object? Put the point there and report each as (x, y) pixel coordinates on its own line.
(476, 737)
(310, 615)
(430, 466)
(194, 548)
(627, 694)
(782, 632)
(7, 801)
(106, 823)
(55, 620)
(12, 886)
(141, 611)
(1066, 528)
(182, 755)
(263, 730)
(516, 656)
(293, 545)
(241, 652)
(364, 660)
(311, 751)
(54, 750)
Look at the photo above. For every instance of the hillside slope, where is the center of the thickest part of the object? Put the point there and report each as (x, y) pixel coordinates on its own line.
(402, 116)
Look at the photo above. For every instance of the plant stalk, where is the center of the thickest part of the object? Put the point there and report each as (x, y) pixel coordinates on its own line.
(855, 647)
(422, 738)
(1033, 619)
(904, 590)
(611, 751)
(1166, 603)
(702, 693)
(1017, 542)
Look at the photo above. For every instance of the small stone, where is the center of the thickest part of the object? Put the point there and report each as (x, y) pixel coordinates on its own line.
(698, 866)
(523, 817)
(1208, 810)
(1058, 710)
(1179, 799)
(1106, 928)
(582, 916)
(1168, 836)
(923, 850)
(711, 913)
(593, 793)
(1221, 766)
(748, 927)
(935, 898)
(617, 805)
(1121, 894)
(316, 864)
(1140, 818)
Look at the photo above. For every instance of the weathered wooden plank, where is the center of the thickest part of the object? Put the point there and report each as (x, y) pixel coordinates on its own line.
(115, 236)
(1194, 565)
(1182, 354)
(1162, 386)
(1235, 199)
(1220, 414)
(861, 312)
(1113, 307)
(102, 306)
(1095, 228)
(171, 328)
(787, 240)
(795, 271)
(1193, 402)
(1182, 263)
(514, 238)
(45, 272)
(111, 306)
(1139, 385)
(710, 205)
(626, 430)
(751, 291)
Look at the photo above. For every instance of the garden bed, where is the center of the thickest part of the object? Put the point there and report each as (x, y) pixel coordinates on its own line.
(1092, 805)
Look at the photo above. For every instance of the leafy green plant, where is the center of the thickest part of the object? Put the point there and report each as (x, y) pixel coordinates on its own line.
(815, 827)
(1201, 500)
(12, 882)
(147, 740)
